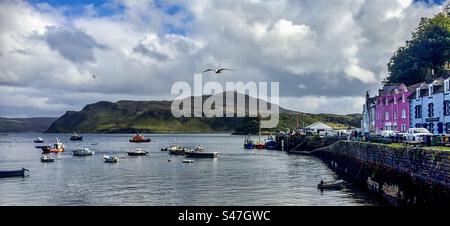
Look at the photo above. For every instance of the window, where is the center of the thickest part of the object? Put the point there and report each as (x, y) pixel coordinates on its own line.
(418, 111)
(387, 99)
(447, 107)
(403, 127)
(430, 90)
(446, 85)
(417, 93)
(395, 100)
(403, 98)
(403, 113)
(440, 127)
(430, 110)
(395, 115)
(386, 115)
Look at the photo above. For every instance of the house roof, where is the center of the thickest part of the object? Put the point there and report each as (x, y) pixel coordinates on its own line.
(319, 125)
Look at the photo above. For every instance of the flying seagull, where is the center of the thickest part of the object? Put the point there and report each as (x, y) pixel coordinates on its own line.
(218, 71)
(93, 76)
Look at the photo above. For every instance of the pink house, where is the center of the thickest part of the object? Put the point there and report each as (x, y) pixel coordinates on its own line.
(392, 108)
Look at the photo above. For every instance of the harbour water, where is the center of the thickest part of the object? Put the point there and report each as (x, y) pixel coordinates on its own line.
(236, 177)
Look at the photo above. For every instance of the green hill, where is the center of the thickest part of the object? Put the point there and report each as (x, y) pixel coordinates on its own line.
(156, 117)
(16, 125)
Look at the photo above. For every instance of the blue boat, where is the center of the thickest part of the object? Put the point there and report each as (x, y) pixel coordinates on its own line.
(271, 144)
(248, 143)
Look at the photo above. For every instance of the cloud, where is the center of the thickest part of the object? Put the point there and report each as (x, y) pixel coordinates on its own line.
(72, 44)
(324, 54)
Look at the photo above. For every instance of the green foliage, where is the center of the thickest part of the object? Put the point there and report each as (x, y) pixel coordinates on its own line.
(429, 48)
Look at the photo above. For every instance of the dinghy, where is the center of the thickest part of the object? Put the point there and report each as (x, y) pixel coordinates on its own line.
(330, 185)
(110, 159)
(47, 158)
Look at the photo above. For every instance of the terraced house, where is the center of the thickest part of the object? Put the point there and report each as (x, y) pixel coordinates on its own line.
(392, 108)
(430, 106)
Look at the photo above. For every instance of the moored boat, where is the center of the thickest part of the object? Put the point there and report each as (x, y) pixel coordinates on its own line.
(56, 147)
(83, 152)
(13, 173)
(137, 152)
(200, 152)
(330, 185)
(175, 149)
(188, 161)
(259, 144)
(110, 159)
(76, 137)
(39, 140)
(271, 144)
(248, 143)
(139, 139)
(42, 146)
(47, 158)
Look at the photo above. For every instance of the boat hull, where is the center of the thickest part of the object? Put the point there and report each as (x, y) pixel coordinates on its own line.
(12, 173)
(137, 154)
(38, 141)
(140, 141)
(201, 154)
(76, 138)
(249, 146)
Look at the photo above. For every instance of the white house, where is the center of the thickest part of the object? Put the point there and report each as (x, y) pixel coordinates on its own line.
(318, 127)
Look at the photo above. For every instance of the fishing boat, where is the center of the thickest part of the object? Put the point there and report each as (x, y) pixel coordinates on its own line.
(188, 161)
(13, 173)
(76, 137)
(82, 152)
(175, 149)
(259, 144)
(139, 139)
(271, 144)
(137, 152)
(248, 143)
(39, 140)
(200, 152)
(330, 185)
(56, 147)
(47, 158)
(110, 159)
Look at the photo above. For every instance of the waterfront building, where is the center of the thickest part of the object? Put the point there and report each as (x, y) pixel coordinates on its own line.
(318, 127)
(368, 113)
(392, 110)
(430, 106)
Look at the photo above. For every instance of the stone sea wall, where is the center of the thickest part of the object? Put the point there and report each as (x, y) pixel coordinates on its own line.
(405, 176)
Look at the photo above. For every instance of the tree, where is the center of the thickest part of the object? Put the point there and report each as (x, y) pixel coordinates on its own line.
(428, 49)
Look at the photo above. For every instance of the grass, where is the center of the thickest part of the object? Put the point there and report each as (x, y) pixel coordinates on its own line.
(400, 145)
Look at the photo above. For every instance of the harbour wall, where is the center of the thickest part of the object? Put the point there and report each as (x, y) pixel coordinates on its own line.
(400, 175)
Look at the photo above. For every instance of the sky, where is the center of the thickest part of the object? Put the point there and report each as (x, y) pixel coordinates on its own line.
(324, 54)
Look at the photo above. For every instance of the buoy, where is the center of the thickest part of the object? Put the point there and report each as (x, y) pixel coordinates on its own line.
(168, 160)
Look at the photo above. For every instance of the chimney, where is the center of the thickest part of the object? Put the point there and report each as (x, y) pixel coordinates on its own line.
(430, 75)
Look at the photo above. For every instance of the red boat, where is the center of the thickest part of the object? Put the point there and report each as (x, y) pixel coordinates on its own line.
(139, 139)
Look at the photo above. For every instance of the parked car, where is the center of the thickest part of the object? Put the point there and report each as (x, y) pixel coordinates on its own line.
(417, 134)
(388, 133)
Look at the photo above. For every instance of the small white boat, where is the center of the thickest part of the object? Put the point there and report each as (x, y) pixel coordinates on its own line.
(83, 152)
(39, 140)
(110, 159)
(47, 158)
(188, 161)
(137, 152)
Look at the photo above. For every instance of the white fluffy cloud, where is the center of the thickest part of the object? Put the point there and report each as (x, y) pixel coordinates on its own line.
(323, 53)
